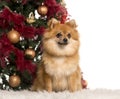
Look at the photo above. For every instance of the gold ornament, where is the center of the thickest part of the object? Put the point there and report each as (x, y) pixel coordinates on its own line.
(30, 52)
(13, 36)
(14, 80)
(31, 18)
(42, 10)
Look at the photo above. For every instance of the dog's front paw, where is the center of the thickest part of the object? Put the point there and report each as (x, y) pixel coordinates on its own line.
(33, 88)
(49, 90)
(72, 88)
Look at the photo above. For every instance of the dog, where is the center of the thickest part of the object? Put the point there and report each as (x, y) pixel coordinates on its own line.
(59, 69)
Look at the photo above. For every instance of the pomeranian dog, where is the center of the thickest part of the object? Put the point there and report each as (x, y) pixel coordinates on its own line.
(59, 69)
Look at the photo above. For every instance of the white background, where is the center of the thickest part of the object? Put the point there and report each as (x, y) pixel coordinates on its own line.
(99, 26)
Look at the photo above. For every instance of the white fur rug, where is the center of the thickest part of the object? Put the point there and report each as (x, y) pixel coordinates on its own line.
(84, 94)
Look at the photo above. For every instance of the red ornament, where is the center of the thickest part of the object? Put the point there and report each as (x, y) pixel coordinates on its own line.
(84, 83)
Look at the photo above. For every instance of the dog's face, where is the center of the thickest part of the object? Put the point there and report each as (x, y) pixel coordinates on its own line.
(61, 39)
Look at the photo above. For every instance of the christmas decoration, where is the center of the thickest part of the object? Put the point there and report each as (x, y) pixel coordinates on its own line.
(42, 10)
(14, 80)
(84, 82)
(13, 36)
(30, 52)
(31, 18)
(63, 3)
(20, 28)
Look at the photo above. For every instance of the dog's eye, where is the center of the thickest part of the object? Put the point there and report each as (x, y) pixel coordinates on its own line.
(69, 35)
(58, 35)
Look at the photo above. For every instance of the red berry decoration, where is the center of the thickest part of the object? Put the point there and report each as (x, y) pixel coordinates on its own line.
(84, 83)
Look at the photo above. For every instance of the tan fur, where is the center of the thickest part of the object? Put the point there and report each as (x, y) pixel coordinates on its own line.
(59, 70)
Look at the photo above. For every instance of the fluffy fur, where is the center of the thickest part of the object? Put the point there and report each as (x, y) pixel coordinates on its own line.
(59, 70)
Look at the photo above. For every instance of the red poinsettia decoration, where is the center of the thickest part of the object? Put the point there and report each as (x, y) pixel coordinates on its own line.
(28, 32)
(50, 2)
(40, 30)
(23, 64)
(11, 17)
(24, 2)
(56, 9)
(5, 49)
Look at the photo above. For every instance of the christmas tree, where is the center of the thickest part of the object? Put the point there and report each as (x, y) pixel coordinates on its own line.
(22, 23)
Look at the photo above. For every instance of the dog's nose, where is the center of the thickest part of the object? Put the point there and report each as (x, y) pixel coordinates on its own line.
(65, 40)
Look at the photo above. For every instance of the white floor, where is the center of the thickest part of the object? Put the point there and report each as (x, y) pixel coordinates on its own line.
(84, 94)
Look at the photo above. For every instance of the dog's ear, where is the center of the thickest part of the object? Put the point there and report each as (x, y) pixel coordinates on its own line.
(51, 23)
(72, 23)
